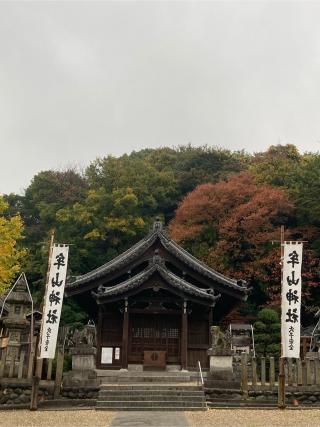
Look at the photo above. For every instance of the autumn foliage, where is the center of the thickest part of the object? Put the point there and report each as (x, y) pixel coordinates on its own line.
(234, 226)
(224, 207)
(10, 256)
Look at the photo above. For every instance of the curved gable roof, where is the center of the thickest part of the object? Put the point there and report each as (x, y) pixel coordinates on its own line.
(172, 247)
(136, 281)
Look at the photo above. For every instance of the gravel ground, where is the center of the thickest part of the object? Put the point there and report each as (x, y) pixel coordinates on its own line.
(254, 418)
(80, 418)
(212, 417)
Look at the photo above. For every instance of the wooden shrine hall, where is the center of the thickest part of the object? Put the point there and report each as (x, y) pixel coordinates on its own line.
(154, 304)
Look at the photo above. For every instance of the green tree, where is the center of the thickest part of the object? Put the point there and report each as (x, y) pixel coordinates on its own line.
(198, 165)
(267, 333)
(48, 192)
(305, 190)
(277, 166)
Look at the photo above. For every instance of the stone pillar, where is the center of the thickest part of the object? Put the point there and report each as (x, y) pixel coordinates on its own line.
(125, 334)
(184, 337)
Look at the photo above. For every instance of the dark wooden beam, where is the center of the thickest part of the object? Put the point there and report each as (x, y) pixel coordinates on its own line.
(99, 332)
(149, 284)
(210, 323)
(125, 336)
(184, 337)
(155, 311)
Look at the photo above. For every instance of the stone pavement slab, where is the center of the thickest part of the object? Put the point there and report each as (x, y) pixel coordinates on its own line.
(149, 419)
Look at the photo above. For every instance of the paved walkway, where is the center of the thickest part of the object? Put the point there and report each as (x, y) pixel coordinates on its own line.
(149, 419)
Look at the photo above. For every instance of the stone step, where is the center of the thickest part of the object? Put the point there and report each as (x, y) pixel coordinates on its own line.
(155, 398)
(147, 403)
(170, 393)
(132, 373)
(155, 408)
(151, 395)
(150, 387)
(151, 379)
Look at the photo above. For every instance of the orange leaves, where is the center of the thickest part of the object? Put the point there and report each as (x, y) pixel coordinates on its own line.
(246, 217)
(239, 208)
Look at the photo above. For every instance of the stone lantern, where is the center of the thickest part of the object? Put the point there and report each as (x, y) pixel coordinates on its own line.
(16, 322)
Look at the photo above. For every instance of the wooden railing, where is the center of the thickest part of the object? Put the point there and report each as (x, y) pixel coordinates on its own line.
(22, 365)
(262, 373)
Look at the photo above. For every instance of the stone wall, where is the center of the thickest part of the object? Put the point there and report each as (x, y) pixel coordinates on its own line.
(296, 396)
(80, 392)
(17, 392)
(306, 397)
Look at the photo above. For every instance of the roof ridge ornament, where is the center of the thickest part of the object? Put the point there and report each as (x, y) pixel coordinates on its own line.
(157, 258)
(157, 225)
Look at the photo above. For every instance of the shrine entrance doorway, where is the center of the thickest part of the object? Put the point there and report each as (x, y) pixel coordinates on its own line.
(154, 332)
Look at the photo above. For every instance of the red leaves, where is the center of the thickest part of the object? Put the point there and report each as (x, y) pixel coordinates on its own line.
(245, 218)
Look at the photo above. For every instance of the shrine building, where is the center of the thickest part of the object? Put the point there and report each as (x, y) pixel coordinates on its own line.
(155, 299)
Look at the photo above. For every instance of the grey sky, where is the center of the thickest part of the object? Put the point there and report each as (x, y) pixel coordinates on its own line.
(85, 79)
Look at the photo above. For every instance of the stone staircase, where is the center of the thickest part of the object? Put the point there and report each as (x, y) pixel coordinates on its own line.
(151, 397)
(146, 391)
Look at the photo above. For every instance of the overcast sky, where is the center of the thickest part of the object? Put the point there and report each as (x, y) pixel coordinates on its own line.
(85, 79)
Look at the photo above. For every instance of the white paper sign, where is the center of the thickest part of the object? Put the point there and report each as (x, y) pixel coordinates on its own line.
(53, 301)
(117, 353)
(106, 354)
(291, 299)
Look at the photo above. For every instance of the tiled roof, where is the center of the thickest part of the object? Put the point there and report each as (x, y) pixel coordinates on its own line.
(137, 280)
(172, 247)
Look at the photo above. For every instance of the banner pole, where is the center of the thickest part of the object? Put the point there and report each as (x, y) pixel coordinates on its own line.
(282, 377)
(38, 362)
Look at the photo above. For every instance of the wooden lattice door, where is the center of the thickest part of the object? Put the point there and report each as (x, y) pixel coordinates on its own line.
(154, 332)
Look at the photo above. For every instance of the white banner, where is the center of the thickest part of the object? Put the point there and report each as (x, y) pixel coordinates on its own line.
(53, 301)
(291, 299)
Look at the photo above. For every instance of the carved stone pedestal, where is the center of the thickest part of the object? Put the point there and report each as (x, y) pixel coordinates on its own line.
(83, 358)
(220, 355)
(83, 367)
(220, 366)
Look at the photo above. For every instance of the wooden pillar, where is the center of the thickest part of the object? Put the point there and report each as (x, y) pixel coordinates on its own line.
(254, 372)
(263, 371)
(59, 372)
(36, 378)
(272, 374)
(125, 336)
(210, 324)
(184, 337)
(99, 332)
(244, 375)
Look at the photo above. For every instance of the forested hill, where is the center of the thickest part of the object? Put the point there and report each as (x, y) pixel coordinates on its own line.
(230, 207)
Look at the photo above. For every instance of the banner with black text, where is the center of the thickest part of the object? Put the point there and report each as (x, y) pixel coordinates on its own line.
(291, 299)
(53, 301)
